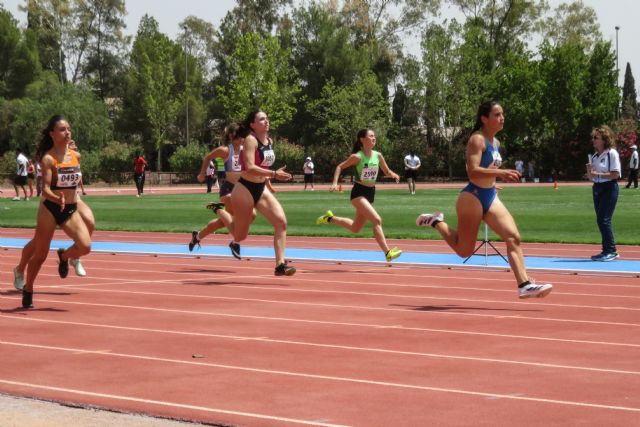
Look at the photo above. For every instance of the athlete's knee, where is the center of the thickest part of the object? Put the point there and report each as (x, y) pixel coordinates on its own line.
(280, 224)
(513, 240)
(465, 251)
(83, 248)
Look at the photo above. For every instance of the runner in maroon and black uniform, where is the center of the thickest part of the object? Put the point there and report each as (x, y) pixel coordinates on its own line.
(257, 159)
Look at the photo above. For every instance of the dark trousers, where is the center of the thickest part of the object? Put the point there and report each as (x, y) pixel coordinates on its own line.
(605, 198)
(633, 177)
(210, 181)
(139, 177)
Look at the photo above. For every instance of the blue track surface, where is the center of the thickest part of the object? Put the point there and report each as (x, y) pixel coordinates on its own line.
(362, 256)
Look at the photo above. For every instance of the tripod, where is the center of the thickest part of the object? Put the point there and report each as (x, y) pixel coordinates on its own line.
(484, 243)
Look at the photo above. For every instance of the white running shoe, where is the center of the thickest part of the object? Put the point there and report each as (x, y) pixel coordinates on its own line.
(533, 290)
(427, 220)
(77, 266)
(18, 279)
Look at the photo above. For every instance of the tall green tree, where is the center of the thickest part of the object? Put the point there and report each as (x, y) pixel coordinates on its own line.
(342, 111)
(97, 44)
(629, 95)
(572, 23)
(152, 95)
(262, 78)
(19, 63)
(47, 19)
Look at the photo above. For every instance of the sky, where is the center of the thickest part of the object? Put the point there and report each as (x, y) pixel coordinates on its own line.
(611, 13)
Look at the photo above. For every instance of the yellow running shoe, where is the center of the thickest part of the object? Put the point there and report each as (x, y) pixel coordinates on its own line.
(393, 254)
(324, 219)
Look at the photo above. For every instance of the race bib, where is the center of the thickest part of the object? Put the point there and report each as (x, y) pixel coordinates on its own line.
(235, 163)
(369, 174)
(269, 158)
(69, 177)
(497, 158)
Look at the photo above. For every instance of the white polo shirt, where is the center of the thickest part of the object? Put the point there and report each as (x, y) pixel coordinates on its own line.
(607, 161)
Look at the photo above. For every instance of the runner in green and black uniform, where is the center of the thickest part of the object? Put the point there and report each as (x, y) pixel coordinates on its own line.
(367, 162)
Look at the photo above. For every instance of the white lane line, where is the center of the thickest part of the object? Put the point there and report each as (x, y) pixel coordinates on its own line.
(451, 311)
(351, 324)
(163, 403)
(324, 345)
(339, 379)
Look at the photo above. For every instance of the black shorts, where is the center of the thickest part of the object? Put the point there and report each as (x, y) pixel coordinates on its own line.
(360, 190)
(31, 175)
(255, 188)
(20, 180)
(225, 189)
(222, 175)
(308, 178)
(61, 216)
(410, 173)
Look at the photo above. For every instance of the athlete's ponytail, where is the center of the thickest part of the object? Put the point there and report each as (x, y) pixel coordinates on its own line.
(483, 111)
(46, 142)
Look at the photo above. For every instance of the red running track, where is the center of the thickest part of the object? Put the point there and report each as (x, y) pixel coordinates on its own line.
(226, 342)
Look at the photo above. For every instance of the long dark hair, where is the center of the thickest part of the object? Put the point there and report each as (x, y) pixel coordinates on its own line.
(46, 142)
(483, 110)
(232, 131)
(251, 117)
(357, 146)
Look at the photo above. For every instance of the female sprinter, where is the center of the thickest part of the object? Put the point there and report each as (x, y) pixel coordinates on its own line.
(252, 190)
(479, 201)
(61, 174)
(230, 152)
(27, 252)
(367, 162)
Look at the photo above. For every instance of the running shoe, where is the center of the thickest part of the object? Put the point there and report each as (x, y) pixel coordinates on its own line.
(27, 299)
(78, 267)
(429, 220)
(235, 249)
(18, 279)
(393, 254)
(610, 256)
(194, 240)
(533, 290)
(63, 266)
(597, 257)
(285, 270)
(214, 206)
(324, 219)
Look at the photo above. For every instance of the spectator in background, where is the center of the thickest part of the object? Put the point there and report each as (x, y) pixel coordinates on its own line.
(603, 170)
(139, 166)
(31, 175)
(210, 175)
(531, 170)
(20, 180)
(221, 172)
(308, 169)
(411, 166)
(519, 165)
(633, 167)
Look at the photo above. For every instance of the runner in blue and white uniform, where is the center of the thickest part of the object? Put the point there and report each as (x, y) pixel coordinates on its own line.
(253, 191)
(479, 201)
(231, 153)
(367, 162)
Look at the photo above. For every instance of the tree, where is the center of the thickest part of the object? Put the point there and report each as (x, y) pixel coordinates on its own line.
(573, 23)
(344, 110)
(47, 19)
(153, 84)
(19, 64)
(92, 127)
(629, 95)
(98, 44)
(262, 78)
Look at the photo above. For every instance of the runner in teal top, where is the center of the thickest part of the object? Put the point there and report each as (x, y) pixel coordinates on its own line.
(367, 163)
